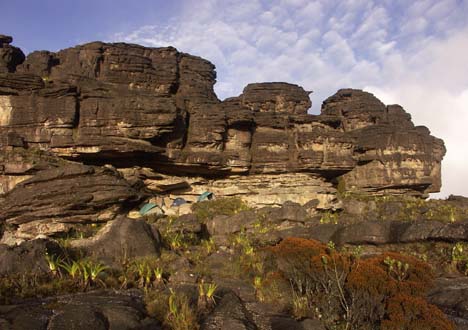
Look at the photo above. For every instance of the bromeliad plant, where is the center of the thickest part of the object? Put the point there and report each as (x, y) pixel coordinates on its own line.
(54, 263)
(209, 245)
(158, 276)
(87, 272)
(144, 273)
(258, 286)
(73, 268)
(206, 293)
(90, 272)
(459, 258)
(95, 269)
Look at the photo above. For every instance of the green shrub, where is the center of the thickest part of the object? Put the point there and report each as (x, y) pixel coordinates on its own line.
(459, 258)
(224, 206)
(329, 217)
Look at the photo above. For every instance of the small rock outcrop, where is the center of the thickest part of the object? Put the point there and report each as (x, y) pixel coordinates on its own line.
(121, 240)
(94, 311)
(155, 108)
(26, 258)
(10, 56)
(55, 200)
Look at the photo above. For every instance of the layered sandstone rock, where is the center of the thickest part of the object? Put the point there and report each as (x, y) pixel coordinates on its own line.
(55, 200)
(155, 108)
(255, 189)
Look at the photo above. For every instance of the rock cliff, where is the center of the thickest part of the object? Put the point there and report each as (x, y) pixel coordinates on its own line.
(155, 108)
(89, 135)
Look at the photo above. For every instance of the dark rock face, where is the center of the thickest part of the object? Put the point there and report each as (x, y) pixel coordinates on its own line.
(10, 56)
(93, 311)
(88, 133)
(272, 224)
(29, 257)
(388, 148)
(230, 314)
(54, 199)
(451, 296)
(127, 104)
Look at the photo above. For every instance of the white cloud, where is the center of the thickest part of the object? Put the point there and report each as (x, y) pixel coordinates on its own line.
(417, 25)
(441, 9)
(412, 55)
(313, 10)
(432, 84)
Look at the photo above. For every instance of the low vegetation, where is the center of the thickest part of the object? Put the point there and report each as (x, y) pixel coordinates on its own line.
(403, 208)
(224, 206)
(344, 287)
(348, 292)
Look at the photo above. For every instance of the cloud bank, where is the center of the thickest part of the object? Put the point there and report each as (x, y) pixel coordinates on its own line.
(412, 54)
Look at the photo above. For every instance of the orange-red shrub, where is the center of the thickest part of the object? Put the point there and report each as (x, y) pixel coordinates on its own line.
(374, 277)
(418, 279)
(315, 272)
(294, 257)
(371, 283)
(360, 292)
(295, 249)
(414, 313)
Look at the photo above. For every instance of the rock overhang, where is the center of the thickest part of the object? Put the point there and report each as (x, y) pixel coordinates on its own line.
(123, 103)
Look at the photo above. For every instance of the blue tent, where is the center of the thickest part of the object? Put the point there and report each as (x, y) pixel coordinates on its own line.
(178, 201)
(205, 196)
(148, 207)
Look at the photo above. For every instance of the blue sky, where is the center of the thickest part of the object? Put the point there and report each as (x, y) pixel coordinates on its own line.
(407, 52)
(53, 25)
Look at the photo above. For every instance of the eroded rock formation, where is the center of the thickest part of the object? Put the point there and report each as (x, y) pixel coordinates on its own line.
(152, 113)
(55, 200)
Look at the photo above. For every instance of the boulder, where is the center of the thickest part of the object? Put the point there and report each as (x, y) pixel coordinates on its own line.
(229, 314)
(289, 211)
(27, 258)
(54, 199)
(121, 240)
(364, 233)
(225, 225)
(436, 231)
(389, 232)
(451, 296)
(93, 310)
(77, 317)
(186, 223)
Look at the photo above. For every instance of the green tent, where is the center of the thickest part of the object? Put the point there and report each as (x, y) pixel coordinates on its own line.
(205, 196)
(148, 207)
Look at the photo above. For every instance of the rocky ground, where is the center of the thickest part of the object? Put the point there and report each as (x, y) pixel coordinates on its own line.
(317, 221)
(157, 271)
